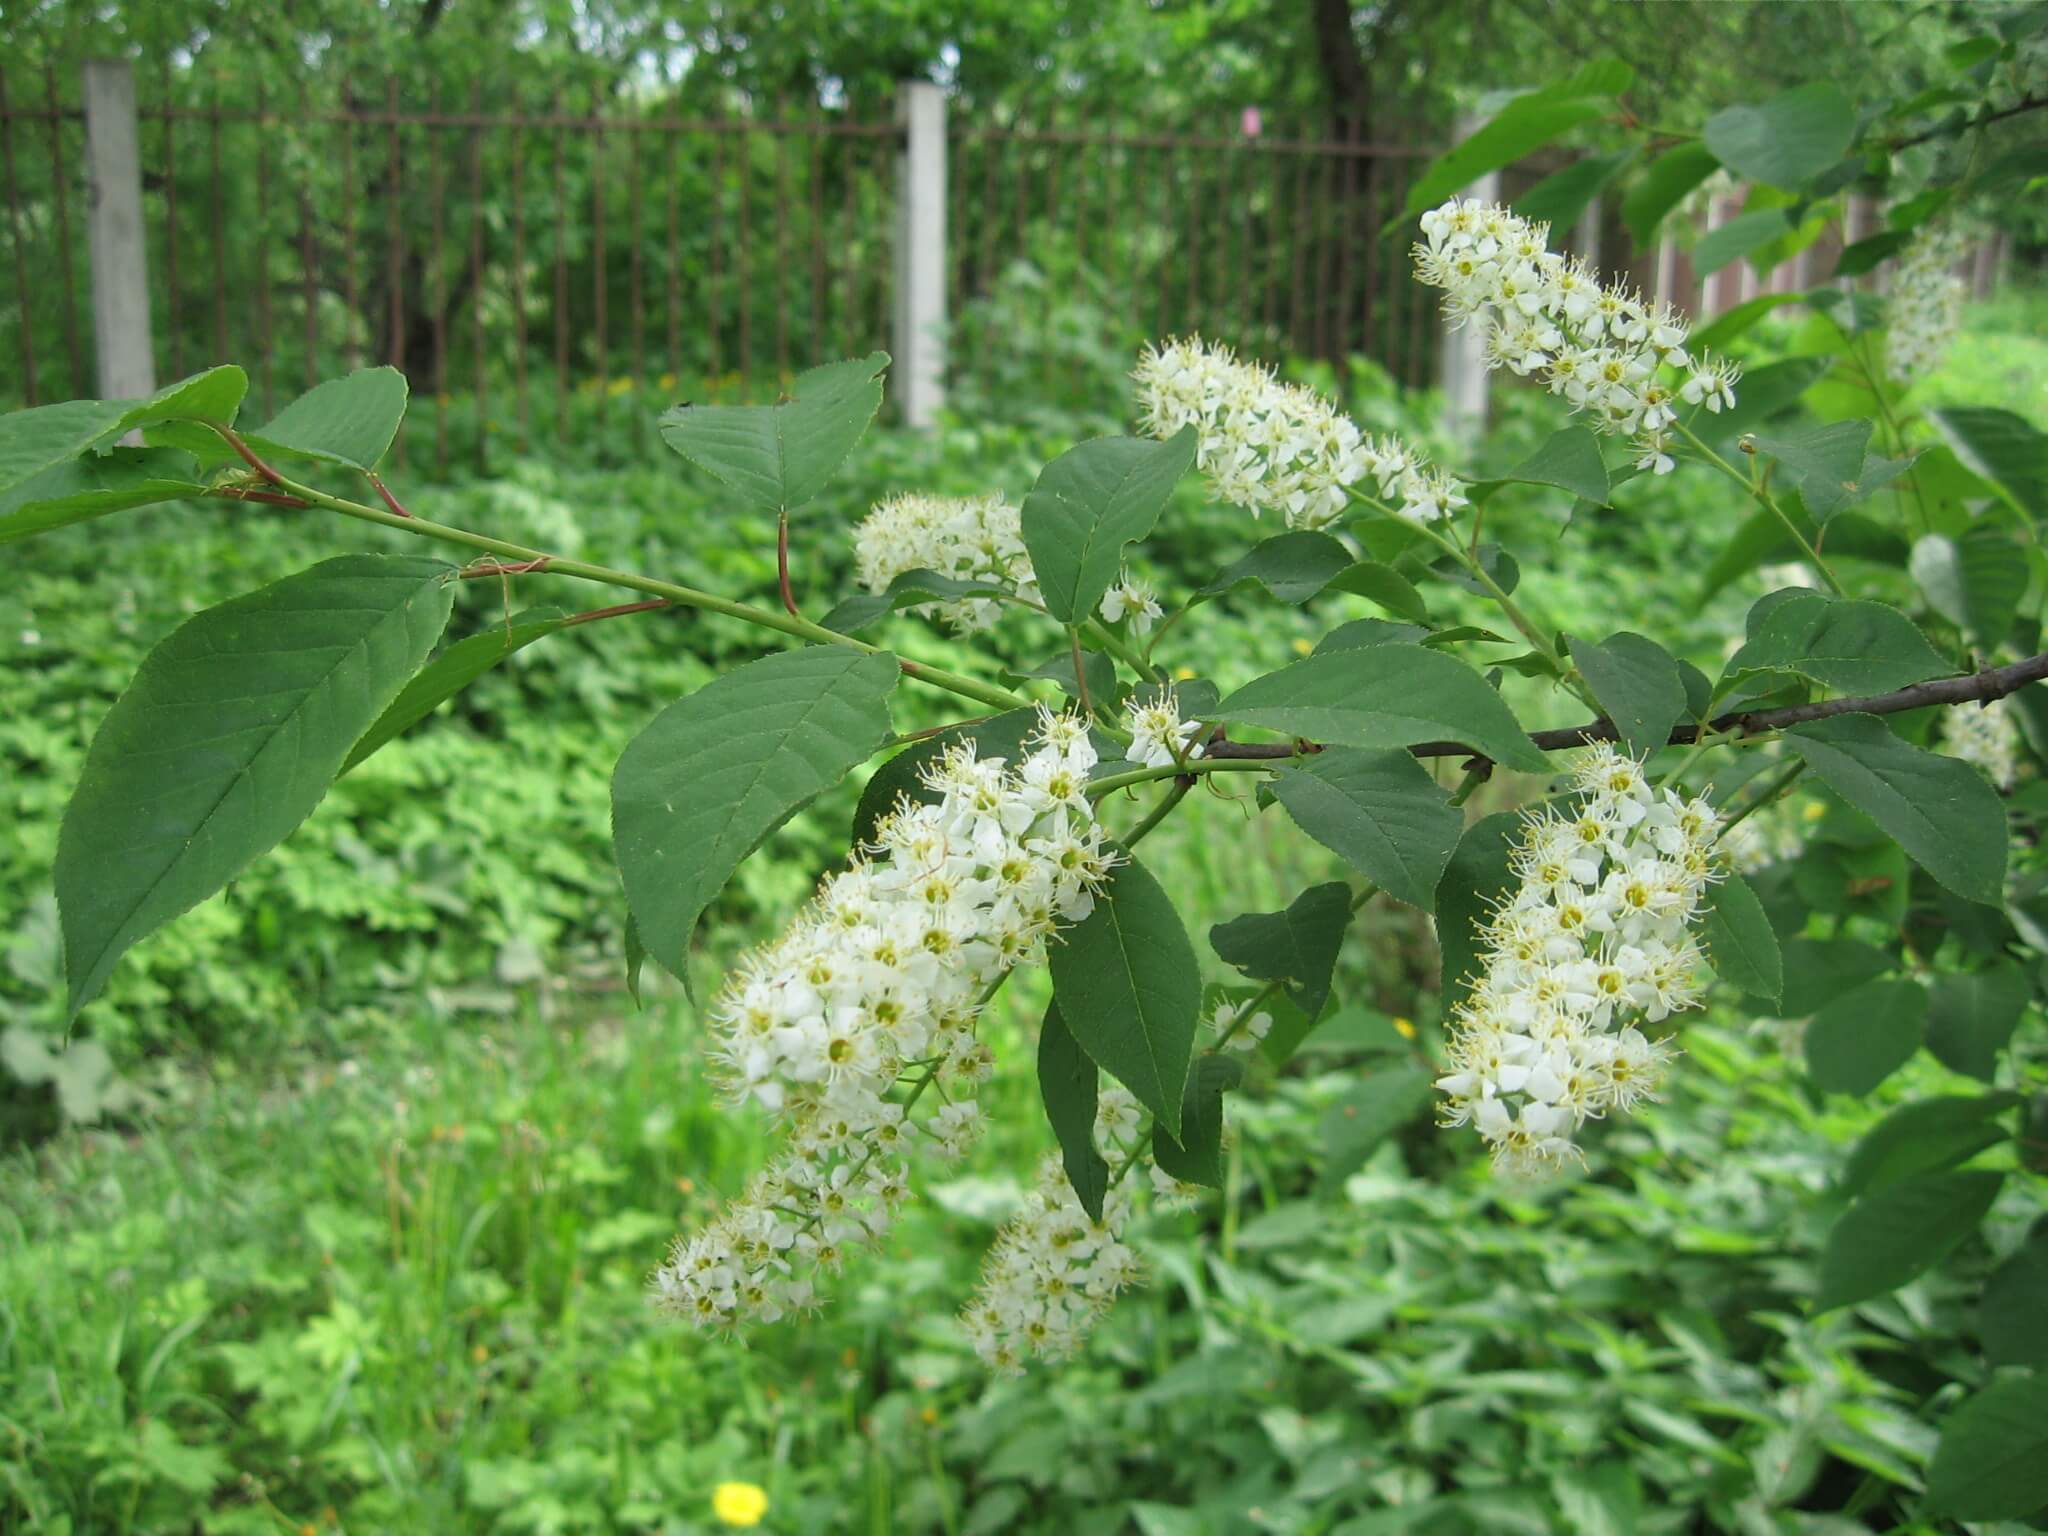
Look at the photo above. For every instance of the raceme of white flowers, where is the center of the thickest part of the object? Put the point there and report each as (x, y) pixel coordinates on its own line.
(1924, 308)
(970, 539)
(1595, 936)
(1274, 447)
(1597, 345)
(1988, 738)
(865, 1010)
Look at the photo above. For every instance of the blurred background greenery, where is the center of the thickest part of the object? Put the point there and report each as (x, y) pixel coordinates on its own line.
(334, 1213)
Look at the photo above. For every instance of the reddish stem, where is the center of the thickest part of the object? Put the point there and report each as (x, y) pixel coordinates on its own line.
(383, 490)
(782, 565)
(248, 455)
(614, 612)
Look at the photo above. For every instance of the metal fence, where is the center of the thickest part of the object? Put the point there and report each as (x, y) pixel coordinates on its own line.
(527, 264)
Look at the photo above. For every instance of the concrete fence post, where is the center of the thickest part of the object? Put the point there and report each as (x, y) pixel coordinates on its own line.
(1463, 367)
(919, 375)
(120, 277)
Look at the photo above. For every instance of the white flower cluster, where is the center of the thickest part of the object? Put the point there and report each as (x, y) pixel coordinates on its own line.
(1595, 935)
(1278, 447)
(969, 538)
(1053, 1270)
(1924, 308)
(870, 999)
(1158, 734)
(1987, 738)
(974, 539)
(1599, 346)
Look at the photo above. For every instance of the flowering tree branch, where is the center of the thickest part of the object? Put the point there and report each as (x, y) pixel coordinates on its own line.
(1983, 687)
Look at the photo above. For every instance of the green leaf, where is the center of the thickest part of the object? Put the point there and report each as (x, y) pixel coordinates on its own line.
(1670, 177)
(2014, 1303)
(1736, 238)
(350, 421)
(1096, 668)
(1635, 681)
(1976, 581)
(1885, 1239)
(780, 456)
(1826, 463)
(32, 441)
(1380, 812)
(94, 485)
(1478, 877)
(1865, 1035)
(1818, 970)
(1853, 646)
(908, 590)
(1384, 585)
(2003, 448)
(1526, 123)
(1559, 198)
(1360, 633)
(1298, 946)
(1741, 943)
(1194, 1153)
(226, 740)
(1972, 1014)
(1925, 1136)
(1385, 696)
(1070, 1085)
(1940, 810)
(1788, 140)
(1294, 566)
(1765, 392)
(1569, 459)
(1356, 1124)
(1731, 323)
(715, 773)
(1128, 985)
(1992, 1462)
(451, 672)
(1088, 504)
(2015, 168)
(1866, 253)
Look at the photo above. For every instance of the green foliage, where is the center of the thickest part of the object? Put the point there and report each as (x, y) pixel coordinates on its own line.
(350, 422)
(229, 736)
(1127, 986)
(1741, 942)
(1887, 1237)
(1380, 812)
(1636, 684)
(1193, 1150)
(780, 457)
(1070, 1085)
(714, 774)
(1786, 141)
(1526, 123)
(1088, 505)
(1993, 1460)
(1298, 947)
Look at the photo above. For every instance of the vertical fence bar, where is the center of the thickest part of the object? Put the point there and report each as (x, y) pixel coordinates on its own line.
(1347, 223)
(561, 271)
(60, 184)
(521, 405)
(28, 341)
(635, 292)
(597, 261)
(847, 309)
(351, 355)
(1326, 197)
(174, 337)
(437, 259)
(717, 247)
(476, 274)
(1056, 225)
(262, 253)
(920, 375)
(1374, 173)
(308, 257)
(780, 130)
(115, 233)
(1185, 166)
(1298, 241)
(1422, 307)
(743, 288)
(219, 239)
(675, 261)
(815, 178)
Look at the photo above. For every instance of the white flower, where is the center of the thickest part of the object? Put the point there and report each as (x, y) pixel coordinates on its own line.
(1599, 347)
(1131, 598)
(1987, 738)
(1924, 309)
(1262, 444)
(839, 1027)
(970, 538)
(1595, 934)
(1159, 736)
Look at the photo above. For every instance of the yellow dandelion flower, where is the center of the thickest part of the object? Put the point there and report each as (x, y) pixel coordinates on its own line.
(739, 1503)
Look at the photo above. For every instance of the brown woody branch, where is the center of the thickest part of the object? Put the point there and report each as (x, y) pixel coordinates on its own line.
(1970, 688)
